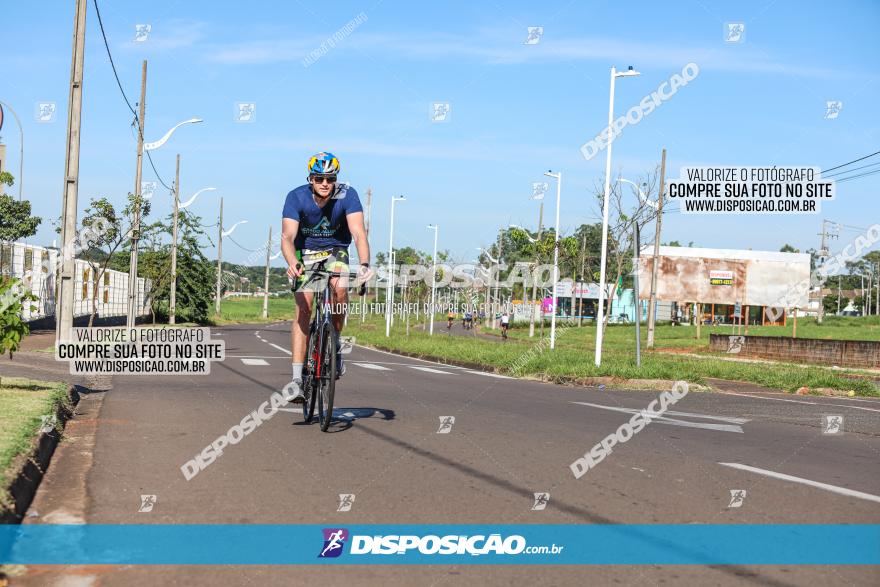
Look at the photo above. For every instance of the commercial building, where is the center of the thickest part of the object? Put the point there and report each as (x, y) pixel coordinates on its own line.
(711, 283)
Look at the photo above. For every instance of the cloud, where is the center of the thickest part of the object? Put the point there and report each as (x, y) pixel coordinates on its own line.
(496, 49)
(173, 35)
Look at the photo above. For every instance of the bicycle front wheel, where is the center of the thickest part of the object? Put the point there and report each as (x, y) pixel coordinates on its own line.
(327, 381)
(309, 381)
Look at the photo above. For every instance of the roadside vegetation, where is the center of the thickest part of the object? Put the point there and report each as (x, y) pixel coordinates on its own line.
(575, 346)
(23, 403)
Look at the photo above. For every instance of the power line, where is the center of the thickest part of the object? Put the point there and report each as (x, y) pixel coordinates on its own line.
(853, 169)
(122, 91)
(851, 162)
(241, 247)
(110, 57)
(843, 179)
(159, 177)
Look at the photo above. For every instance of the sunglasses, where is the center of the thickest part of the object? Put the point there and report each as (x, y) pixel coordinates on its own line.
(324, 178)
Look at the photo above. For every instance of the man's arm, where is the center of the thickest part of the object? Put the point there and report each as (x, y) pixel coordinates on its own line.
(289, 230)
(359, 234)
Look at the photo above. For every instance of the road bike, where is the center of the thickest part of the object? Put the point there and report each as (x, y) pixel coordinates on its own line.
(319, 370)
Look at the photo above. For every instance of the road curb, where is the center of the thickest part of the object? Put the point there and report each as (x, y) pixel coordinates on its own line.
(31, 466)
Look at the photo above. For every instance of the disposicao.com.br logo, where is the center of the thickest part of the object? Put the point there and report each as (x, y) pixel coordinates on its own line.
(430, 544)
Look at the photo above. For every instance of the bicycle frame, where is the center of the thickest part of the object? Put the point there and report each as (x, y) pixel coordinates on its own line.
(316, 380)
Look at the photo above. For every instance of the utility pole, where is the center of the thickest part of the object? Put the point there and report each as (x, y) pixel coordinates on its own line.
(838, 295)
(574, 285)
(266, 279)
(64, 309)
(652, 300)
(534, 280)
(172, 302)
(823, 254)
(638, 305)
(496, 303)
(369, 208)
(877, 298)
(864, 300)
(136, 221)
(219, 260)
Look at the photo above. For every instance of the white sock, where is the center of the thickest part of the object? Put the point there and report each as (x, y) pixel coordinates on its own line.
(297, 370)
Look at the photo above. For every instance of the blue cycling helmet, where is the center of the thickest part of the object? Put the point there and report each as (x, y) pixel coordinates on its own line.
(324, 164)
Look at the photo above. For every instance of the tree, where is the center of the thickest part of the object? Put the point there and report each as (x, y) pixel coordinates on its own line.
(108, 232)
(16, 221)
(196, 275)
(829, 303)
(787, 248)
(13, 298)
(622, 218)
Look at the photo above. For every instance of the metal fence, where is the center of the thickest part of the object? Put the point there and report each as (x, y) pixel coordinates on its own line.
(38, 269)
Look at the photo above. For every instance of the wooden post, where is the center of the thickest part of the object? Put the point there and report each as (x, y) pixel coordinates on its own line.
(699, 319)
(794, 325)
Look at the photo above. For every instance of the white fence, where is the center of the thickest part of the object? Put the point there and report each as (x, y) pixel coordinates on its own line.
(36, 267)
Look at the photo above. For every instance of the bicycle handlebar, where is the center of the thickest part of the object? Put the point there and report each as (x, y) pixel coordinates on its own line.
(319, 270)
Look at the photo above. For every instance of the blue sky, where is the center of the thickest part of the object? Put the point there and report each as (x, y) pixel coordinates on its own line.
(517, 109)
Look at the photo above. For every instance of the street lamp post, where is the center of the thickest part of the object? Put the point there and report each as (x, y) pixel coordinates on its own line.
(436, 230)
(558, 177)
(20, 177)
(136, 224)
(390, 268)
(535, 281)
(600, 310)
(490, 303)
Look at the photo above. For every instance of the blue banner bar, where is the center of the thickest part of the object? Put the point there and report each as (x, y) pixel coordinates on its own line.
(667, 544)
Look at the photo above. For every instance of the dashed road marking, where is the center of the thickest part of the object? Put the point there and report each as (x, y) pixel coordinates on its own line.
(372, 366)
(487, 374)
(429, 370)
(254, 362)
(282, 349)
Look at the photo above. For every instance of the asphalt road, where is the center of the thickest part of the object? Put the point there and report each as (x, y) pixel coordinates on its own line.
(510, 439)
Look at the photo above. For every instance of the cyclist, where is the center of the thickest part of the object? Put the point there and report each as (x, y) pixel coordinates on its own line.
(468, 320)
(319, 221)
(505, 323)
(450, 318)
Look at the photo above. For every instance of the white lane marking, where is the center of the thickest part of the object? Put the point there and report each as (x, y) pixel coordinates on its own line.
(409, 364)
(817, 484)
(282, 349)
(429, 370)
(675, 422)
(366, 348)
(487, 374)
(794, 401)
(778, 399)
(254, 362)
(372, 366)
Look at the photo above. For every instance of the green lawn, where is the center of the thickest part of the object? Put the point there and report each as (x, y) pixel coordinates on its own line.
(575, 347)
(250, 310)
(22, 403)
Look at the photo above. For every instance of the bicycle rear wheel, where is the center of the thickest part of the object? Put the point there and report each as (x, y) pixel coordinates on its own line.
(327, 381)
